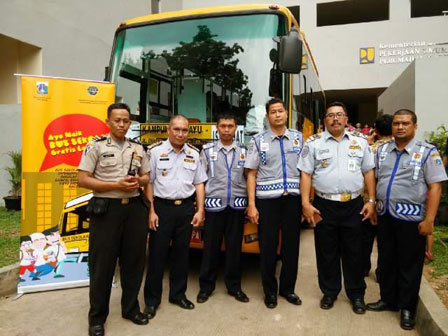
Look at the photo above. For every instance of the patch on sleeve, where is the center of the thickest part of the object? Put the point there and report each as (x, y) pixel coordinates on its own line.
(436, 159)
(88, 148)
(305, 151)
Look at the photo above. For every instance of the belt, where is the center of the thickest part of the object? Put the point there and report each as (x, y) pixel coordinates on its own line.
(124, 201)
(344, 197)
(175, 202)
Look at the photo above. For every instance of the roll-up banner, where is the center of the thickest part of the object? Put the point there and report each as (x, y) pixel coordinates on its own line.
(59, 117)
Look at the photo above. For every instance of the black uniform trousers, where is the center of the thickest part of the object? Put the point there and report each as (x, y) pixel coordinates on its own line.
(230, 224)
(338, 238)
(369, 233)
(175, 228)
(401, 254)
(120, 234)
(283, 213)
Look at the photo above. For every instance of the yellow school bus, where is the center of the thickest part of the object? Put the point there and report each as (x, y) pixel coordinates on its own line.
(74, 224)
(201, 62)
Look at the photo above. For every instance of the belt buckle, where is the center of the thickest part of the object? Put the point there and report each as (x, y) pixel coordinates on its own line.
(177, 202)
(125, 201)
(345, 197)
(285, 193)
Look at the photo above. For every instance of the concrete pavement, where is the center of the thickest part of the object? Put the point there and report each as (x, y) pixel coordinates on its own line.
(64, 312)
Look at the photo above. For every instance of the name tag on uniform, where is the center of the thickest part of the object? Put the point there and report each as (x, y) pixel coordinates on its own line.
(351, 165)
(264, 146)
(213, 156)
(189, 160)
(164, 159)
(108, 155)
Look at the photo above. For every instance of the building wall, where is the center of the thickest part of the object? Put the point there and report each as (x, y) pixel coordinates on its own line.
(11, 121)
(336, 48)
(422, 87)
(53, 38)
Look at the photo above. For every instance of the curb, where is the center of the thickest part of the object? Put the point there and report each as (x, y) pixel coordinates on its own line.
(9, 277)
(432, 315)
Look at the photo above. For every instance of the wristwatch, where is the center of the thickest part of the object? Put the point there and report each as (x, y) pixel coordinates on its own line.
(371, 200)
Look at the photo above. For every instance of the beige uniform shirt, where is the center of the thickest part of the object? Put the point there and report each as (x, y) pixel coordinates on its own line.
(109, 162)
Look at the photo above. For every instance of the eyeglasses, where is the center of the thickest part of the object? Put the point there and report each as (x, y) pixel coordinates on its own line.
(339, 115)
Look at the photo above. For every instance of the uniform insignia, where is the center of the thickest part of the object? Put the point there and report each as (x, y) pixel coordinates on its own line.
(305, 151)
(354, 147)
(250, 147)
(189, 160)
(108, 155)
(155, 144)
(354, 142)
(242, 157)
(295, 142)
(358, 134)
(164, 155)
(99, 138)
(88, 148)
(134, 141)
(322, 151)
(314, 137)
(164, 172)
(193, 147)
(324, 164)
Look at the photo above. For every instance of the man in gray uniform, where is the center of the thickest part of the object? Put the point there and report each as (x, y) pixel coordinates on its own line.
(272, 189)
(176, 177)
(225, 202)
(338, 162)
(114, 167)
(409, 174)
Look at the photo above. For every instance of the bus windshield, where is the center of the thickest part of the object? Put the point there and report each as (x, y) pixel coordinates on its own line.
(198, 68)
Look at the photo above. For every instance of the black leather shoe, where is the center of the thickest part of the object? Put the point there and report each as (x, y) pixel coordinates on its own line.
(183, 303)
(292, 298)
(327, 302)
(270, 301)
(358, 306)
(240, 296)
(150, 311)
(407, 319)
(139, 318)
(202, 297)
(96, 330)
(381, 306)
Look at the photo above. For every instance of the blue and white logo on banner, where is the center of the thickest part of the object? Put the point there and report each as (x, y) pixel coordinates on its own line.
(42, 88)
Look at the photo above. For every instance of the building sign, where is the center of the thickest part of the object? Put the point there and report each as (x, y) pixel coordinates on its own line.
(367, 55)
(404, 52)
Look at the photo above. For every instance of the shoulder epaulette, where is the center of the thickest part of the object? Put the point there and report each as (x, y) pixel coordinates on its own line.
(208, 145)
(155, 144)
(99, 138)
(314, 137)
(134, 141)
(358, 134)
(425, 144)
(193, 147)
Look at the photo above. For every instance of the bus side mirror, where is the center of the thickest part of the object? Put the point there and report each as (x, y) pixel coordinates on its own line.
(106, 73)
(290, 55)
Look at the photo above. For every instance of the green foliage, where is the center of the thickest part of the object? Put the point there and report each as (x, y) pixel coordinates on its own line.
(438, 138)
(9, 236)
(210, 59)
(15, 173)
(440, 250)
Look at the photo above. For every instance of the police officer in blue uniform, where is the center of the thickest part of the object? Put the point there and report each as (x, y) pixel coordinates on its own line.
(114, 167)
(225, 202)
(409, 174)
(273, 189)
(176, 181)
(337, 163)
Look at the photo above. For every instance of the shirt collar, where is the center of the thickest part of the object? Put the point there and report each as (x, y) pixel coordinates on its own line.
(327, 135)
(271, 135)
(408, 147)
(170, 148)
(221, 146)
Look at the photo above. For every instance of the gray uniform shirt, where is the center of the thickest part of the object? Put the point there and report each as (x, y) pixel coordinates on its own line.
(108, 161)
(226, 185)
(403, 178)
(174, 175)
(275, 158)
(336, 167)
